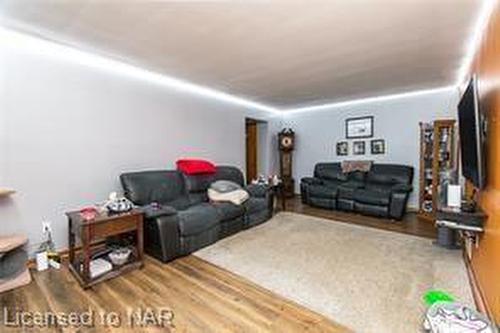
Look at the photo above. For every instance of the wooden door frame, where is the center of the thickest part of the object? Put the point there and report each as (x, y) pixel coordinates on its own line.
(251, 149)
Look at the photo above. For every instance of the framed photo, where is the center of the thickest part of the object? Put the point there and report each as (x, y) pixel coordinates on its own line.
(342, 148)
(358, 148)
(377, 147)
(360, 127)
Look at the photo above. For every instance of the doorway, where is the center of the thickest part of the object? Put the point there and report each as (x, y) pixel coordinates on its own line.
(256, 144)
(251, 148)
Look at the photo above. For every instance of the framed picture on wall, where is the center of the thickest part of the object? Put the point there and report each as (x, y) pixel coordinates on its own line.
(342, 148)
(377, 147)
(358, 148)
(359, 127)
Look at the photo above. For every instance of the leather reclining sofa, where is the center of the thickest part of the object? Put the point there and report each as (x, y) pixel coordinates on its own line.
(184, 220)
(382, 192)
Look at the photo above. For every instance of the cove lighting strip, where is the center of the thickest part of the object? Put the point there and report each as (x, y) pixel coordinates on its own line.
(66, 53)
(474, 43)
(43, 47)
(413, 93)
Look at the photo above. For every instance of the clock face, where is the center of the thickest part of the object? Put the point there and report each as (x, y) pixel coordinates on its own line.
(286, 142)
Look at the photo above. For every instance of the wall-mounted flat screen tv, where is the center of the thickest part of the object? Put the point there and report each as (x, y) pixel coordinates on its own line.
(470, 121)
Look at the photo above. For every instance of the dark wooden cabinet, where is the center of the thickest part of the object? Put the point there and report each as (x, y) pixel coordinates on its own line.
(437, 164)
(90, 235)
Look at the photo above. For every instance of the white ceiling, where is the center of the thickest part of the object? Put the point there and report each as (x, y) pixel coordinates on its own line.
(282, 53)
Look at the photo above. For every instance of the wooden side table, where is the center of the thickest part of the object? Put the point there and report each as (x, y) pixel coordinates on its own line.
(91, 233)
(279, 193)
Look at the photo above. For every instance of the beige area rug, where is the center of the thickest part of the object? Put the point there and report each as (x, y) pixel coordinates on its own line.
(367, 279)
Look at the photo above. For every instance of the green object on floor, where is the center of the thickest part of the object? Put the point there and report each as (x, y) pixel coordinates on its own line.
(432, 296)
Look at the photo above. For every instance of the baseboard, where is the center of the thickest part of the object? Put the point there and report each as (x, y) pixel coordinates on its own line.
(477, 291)
(63, 254)
(412, 209)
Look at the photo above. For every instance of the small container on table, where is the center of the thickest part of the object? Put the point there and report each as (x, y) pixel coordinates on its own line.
(91, 234)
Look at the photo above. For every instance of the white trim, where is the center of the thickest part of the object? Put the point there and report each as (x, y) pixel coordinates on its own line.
(327, 106)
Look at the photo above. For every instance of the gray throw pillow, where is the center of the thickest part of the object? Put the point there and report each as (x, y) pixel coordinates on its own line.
(224, 186)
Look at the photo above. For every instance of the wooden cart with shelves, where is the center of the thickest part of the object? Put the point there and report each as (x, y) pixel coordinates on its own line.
(92, 233)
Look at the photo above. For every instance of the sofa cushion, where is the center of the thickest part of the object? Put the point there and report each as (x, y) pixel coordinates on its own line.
(145, 187)
(228, 211)
(356, 178)
(346, 192)
(333, 184)
(331, 171)
(197, 185)
(197, 219)
(390, 174)
(374, 210)
(323, 203)
(231, 173)
(254, 205)
(373, 196)
(320, 191)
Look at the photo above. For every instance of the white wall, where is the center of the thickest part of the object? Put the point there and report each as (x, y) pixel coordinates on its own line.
(68, 131)
(396, 121)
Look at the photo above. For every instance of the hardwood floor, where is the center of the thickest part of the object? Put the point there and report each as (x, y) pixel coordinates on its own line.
(202, 297)
(410, 224)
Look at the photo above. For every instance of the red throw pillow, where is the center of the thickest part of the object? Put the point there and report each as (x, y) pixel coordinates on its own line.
(193, 166)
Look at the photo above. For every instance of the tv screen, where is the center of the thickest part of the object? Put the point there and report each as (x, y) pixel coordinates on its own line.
(471, 136)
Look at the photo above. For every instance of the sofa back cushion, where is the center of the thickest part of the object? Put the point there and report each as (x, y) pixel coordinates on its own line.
(231, 173)
(356, 178)
(390, 174)
(197, 185)
(329, 171)
(161, 186)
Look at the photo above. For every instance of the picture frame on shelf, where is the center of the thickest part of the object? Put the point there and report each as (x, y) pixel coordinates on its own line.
(359, 127)
(358, 148)
(342, 148)
(377, 147)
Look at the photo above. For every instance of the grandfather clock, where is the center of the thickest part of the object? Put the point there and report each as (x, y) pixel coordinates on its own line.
(286, 139)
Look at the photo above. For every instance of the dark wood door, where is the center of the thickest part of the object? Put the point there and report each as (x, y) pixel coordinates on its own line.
(251, 147)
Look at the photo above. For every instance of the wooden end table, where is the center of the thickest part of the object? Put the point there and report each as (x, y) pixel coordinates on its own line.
(279, 194)
(92, 233)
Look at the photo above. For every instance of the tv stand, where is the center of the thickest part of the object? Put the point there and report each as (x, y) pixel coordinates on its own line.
(468, 223)
(469, 207)
(467, 217)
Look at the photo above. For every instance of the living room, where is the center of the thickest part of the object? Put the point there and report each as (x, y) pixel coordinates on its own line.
(124, 133)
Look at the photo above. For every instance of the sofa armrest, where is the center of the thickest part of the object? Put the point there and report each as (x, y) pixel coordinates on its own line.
(311, 181)
(264, 192)
(161, 233)
(399, 198)
(256, 190)
(153, 211)
(402, 188)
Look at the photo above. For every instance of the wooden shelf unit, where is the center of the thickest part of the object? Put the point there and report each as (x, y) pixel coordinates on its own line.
(437, 157)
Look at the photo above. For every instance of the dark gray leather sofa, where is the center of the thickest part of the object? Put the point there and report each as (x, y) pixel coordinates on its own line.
(185, 220)
(383, 191)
